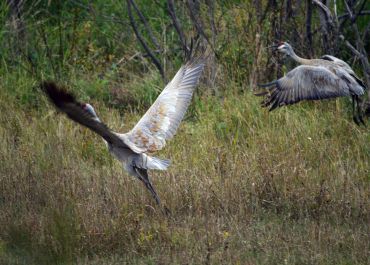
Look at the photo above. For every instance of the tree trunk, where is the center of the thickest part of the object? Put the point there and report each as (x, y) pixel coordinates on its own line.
(17, 25)
(309, 27)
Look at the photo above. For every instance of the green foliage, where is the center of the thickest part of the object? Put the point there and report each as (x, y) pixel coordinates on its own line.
(57, 243)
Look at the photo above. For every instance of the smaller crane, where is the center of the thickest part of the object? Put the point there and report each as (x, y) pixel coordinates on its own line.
(314, 79)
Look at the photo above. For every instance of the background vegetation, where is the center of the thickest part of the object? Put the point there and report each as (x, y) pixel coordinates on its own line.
(245, 186)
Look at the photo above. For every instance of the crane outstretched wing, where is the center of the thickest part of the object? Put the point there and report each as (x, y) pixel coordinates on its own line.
(162, 119)
(66, 103)
(304, 83)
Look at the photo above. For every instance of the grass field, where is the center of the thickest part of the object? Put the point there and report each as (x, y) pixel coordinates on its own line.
(245, 187)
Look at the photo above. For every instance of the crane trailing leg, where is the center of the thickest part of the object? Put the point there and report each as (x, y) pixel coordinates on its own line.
(357, 112)
(142, 174)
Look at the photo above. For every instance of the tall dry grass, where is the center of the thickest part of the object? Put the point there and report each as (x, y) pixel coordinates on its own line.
(244, 187)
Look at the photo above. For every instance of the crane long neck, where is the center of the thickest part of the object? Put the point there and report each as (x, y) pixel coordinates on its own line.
(298, 59)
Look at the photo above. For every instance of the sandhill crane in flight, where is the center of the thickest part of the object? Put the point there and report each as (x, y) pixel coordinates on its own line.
(150, 134)
(314, 79)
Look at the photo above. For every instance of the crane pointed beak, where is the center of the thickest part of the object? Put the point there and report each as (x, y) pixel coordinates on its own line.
(273, 47)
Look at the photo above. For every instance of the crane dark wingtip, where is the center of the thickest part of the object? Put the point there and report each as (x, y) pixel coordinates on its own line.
(273, 107)
(57, 95)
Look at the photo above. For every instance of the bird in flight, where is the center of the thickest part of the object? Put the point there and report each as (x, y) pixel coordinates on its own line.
(150, 134)
(314, 79)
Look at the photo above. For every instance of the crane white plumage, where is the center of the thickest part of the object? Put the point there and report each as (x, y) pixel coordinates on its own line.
(150, 134)
(314, 79)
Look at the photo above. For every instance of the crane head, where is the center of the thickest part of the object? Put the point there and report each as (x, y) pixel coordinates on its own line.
(285, 48)
(87, 107)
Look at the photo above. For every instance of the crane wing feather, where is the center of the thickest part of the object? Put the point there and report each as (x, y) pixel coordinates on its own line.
(66, 103)
(306, 83)
(162, 119)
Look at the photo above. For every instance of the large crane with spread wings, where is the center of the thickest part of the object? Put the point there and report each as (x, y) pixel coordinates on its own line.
(150, 134)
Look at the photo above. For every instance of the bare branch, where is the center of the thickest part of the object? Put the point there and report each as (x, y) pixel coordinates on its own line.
(176, 24)
(362, 13)
(360, 47)
(353, 17)
(366, 32)
(325, 10)
(146, 25)
(211, 14)
(309, 26)
(348, 10)
(327, 27)
(194, 12)
(350, 46)
(142, 41)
